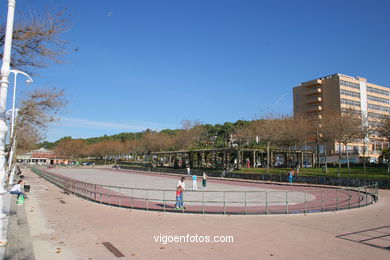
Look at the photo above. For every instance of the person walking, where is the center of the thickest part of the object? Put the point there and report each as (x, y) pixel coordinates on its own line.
(188, 170)
(204, 180)
(194, 182)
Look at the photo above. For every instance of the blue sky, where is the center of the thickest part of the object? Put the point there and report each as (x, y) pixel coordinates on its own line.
(153, 63)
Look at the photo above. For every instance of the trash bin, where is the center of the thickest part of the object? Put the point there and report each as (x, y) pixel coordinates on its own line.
(26, 188)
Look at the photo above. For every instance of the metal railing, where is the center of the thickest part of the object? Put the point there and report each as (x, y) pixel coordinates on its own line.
(290, 201)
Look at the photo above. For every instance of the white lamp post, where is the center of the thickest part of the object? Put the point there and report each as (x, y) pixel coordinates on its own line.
(5, 70)
(12, 139)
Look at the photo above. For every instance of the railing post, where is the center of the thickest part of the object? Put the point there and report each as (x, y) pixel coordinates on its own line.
(359, 196)
(305, 201)
(286, 202)
(120, 197)
(95, 192)
(266, 202)
(349, 198)
(365, 190)
(322, 200)
(224, 203)
(101, 194)
(147, 200)
(203, 202)
(164, 199)
(246, 210)
(132, 198)
(337, 199)
(109, 197)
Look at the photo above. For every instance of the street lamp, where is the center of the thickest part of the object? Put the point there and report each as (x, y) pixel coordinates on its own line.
(12, 139)
(5, 70)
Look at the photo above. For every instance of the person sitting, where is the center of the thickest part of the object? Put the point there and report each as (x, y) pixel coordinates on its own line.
(17, 189)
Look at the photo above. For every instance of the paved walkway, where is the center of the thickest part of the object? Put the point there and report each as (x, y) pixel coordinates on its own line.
(66, 227)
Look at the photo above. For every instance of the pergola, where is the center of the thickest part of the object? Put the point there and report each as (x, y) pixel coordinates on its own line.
(233, 158)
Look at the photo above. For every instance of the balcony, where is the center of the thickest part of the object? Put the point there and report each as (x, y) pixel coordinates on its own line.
(311, 83)
(315, 108)
(313, 91)
(312, 100)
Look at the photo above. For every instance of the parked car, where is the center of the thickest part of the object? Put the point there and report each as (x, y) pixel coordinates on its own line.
(88, 163)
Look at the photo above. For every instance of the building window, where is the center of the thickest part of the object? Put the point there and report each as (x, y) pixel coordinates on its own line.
(350, 102)
(379, 108)
(349, 93)
(349, 84)
(378, 99)
(375, 115)
(378, 91)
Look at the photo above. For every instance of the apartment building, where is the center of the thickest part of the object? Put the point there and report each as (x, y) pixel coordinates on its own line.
(338, 92)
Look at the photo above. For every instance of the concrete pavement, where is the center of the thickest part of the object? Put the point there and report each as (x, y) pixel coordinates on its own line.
(66, 227)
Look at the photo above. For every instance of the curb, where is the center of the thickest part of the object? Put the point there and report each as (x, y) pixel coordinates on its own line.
(19, 239)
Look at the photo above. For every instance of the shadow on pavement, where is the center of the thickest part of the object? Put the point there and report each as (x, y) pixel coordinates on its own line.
(377, 237)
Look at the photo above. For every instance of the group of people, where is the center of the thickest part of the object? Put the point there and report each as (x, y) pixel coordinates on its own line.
(181, 186)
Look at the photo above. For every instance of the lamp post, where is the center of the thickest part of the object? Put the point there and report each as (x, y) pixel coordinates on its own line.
(5, 70)
(12, 136)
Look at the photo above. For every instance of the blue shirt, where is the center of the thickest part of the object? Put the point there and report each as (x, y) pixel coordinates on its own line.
(194, 177)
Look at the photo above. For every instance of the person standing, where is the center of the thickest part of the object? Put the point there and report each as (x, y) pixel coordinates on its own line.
(179, 200)
(194, 182)
(204, 180)
(181, 183)
(188, 170)
(290, 175)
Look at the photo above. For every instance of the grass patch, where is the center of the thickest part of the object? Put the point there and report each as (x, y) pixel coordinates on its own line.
(356, 172)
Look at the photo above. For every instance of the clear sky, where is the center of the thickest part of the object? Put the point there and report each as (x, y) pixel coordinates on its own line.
(153, 63)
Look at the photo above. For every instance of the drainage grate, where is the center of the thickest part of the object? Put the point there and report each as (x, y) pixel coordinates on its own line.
(113, 249)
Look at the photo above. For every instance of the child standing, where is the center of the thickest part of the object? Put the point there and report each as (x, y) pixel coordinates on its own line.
(179, 200)
(290, 175)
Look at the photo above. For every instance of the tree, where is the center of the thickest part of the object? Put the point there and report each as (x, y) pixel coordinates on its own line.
(324, 131)
(291, 132)
(37, 111)
(190, 135)
(36, 40)
(383, 129)
(71, 149)
(345, 128)
(267, 129)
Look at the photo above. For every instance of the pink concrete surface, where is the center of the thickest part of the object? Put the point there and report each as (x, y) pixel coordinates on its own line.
(76, 229)
(324, 199)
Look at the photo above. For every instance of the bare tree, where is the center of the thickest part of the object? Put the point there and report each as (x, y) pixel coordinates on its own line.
(245, 134)
(324, 131)
(37, 111)
(36, 39)
(156, 142)
(346, 127)
(268, 130)
(291, 132)
(384, 131)
(190, 135)
(71, 149)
